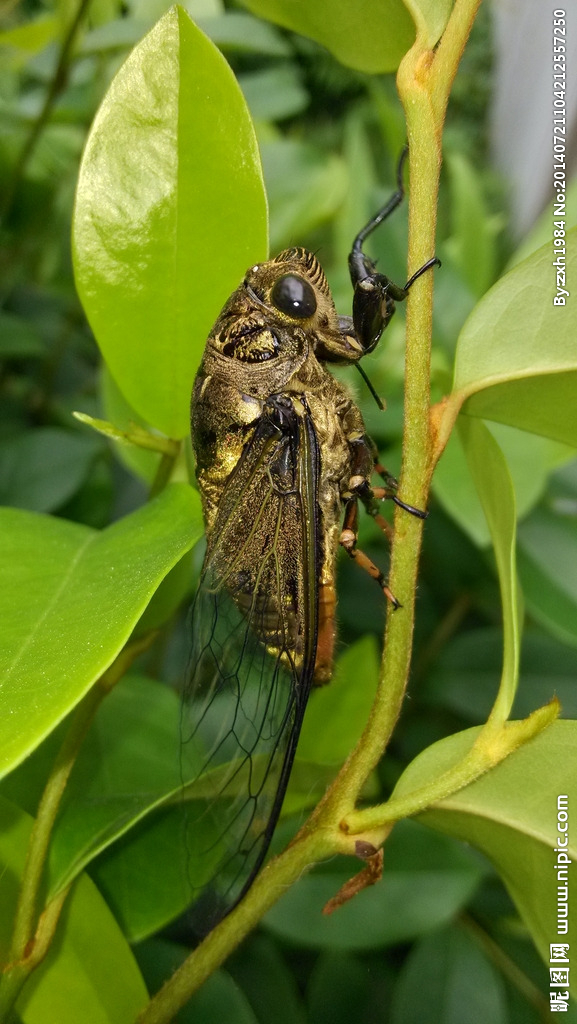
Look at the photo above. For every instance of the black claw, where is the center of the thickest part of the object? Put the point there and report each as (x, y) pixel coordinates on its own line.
(418, 512)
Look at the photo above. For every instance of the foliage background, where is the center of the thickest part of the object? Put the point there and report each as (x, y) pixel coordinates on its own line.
(329, 139)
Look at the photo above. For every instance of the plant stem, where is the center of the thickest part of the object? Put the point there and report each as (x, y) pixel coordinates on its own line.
(276, 877)
(492, 745)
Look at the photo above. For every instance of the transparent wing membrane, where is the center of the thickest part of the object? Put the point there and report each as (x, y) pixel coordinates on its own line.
(252, 661)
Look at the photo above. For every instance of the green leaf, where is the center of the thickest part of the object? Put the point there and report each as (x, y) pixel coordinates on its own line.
(472, 243)
(219, 999)
(369, 35)
(493, 482)
(241, 33)
(423, 886)
(127, 766)
(530, 459)
(32, 36)
(42, 469)
(540, 233)
(510, 815)
(69, 601)
(447, 979)
(145, 878)
(267, 979)
(430, 17)
(118, 411)
(19, 339)
(117, 34)
(343, 988)
(170, 210)
(89, 973)
(548, 571)
(516, 359)
(334, 720)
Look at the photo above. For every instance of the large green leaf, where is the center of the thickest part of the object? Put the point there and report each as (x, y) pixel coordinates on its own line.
(89, 973)
(128, 765)
(342, 987)
(70, 599)
(370, 35)
(337, 714)
(146, 878)
(493, 482)
(511, 815)
(43, 468)
(465, 675)
(170, 210)
(516, 359)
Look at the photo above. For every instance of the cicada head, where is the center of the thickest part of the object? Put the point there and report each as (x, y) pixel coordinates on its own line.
(293, 289)
(282, 310)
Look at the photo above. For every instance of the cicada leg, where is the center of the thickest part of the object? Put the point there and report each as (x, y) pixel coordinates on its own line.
(349, 537)
(326, 634)
(389, 491)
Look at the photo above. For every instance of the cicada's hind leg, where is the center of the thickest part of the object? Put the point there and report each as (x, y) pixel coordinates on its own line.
(350, 532)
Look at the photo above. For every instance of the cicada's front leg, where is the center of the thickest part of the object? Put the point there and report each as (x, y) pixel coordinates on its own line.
(374, 294)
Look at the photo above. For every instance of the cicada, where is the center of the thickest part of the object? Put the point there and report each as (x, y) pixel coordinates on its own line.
(282, 460)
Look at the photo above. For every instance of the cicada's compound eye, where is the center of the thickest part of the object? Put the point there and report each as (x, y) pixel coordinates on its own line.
(294, 296)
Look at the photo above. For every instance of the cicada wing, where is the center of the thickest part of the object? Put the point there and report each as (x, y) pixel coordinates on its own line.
(253, 655)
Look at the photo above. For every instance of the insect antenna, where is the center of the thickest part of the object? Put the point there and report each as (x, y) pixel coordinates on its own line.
(370, 386)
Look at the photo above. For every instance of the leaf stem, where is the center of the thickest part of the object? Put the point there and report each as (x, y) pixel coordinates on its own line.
(23, 956)
(493, 743)
(508, 968)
